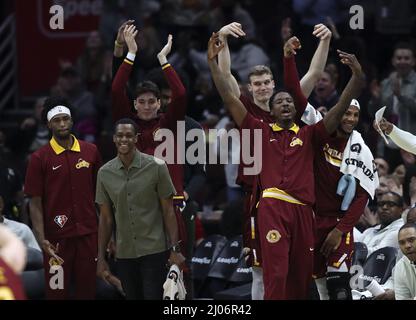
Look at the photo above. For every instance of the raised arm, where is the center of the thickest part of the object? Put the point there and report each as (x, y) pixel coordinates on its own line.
(318, 61)
(352, 90)
(291, 78)
(177, 107)
(121, 106)
(231, 101)
(224, 59)
(403, 139)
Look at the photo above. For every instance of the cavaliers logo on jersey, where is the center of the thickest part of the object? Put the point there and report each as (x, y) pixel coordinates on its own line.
(82, 164)
(61, 220)
(296, 141)
(273, 236)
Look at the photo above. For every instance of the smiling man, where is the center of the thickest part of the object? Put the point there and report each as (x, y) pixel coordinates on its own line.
(405, 270)
(146, 114)
(134, 191)
(60, 180)
(334, 243)
(286, 184)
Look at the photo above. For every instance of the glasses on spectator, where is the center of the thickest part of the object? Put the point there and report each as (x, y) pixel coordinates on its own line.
(389, 204)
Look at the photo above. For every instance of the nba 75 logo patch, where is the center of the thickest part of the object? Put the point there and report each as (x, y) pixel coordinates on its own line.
(61, 220)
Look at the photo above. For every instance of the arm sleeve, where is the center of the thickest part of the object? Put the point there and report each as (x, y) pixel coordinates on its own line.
(117, 61)
(177, 107)
(356, 209)
(165, 188)
(292, 84)
(101, 195)
(403, 139)
(320, 135)
(251, 122)
(120, 103)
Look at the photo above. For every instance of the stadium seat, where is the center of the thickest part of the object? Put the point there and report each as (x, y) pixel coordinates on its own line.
(34, 284)
(379, 265)
(360, 253)
(202, 260)
(33, 277)
(223, 268)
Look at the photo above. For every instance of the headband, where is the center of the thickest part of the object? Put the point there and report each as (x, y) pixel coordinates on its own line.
(57, 110)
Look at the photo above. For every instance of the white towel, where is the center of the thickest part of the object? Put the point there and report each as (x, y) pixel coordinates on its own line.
(174, 288)
(358, 161)
(311, 115)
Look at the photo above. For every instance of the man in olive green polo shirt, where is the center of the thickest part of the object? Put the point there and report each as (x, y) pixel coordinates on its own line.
(135, 190)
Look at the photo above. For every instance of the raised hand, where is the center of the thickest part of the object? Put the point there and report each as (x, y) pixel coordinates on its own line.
(233, 29)
(322, 32)
(162, 55)
(384, 125)
(214, 46)
(351, 61)
(291, 46)
(120, 34)
(130, 34)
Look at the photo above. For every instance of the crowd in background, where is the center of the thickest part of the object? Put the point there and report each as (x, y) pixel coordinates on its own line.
(385, 48)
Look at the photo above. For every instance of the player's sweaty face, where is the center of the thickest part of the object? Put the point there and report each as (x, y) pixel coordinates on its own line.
(350, 119)
(283, 108)
(261, 87)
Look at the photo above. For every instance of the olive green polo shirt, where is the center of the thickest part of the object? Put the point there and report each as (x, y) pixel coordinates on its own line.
(134, 195)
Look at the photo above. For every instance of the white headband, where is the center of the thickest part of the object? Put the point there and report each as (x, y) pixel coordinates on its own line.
(355, 103)
(57, 110)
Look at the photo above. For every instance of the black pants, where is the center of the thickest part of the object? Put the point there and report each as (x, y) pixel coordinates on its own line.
(142, 278)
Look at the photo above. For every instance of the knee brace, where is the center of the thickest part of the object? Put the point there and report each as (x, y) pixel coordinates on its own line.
(338, 284)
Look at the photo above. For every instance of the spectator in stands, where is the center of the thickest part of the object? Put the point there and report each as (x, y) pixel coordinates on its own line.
(389, 210)
(85, 114)
(400, 172)
(398, 93)
(20, 229)
(411, 215)
(11, 191)
(231, 10)
(389, 183)
(404, 271)
(35, 132)
(382, 166)
(94, 64)
(325, 93)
